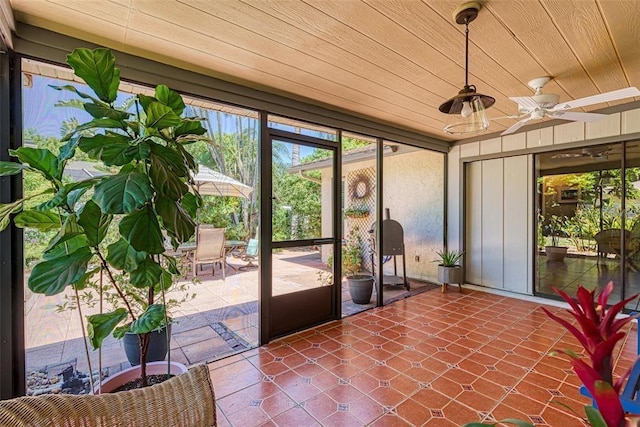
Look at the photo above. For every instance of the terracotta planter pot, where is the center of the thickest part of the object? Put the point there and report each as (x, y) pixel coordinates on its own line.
(556, 253)
(153, 368)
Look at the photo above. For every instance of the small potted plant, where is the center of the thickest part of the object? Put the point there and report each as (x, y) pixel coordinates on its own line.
(356, 212)
(449, 269)
(555, 230)
(360, 284)
(145, 199)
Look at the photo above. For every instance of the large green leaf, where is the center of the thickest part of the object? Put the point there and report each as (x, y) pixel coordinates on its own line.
(94, 222)
(112, 149)
(170, 98)
(76, 91)
(83, 281)
(67, 151)
(68, 194)
(150, 320)
(53, 276)
(6, 210)
(175, 219)
(99, 111)
(173, 158)
(123, 193)
(64, 243)
(187, 158)
(147, 274)
(40, 159)
(11, 168)
(142, 230)
(189, 127)
(43, 221)
(122, 256)
(97, 68)
(594, 416)
(96, 124)
(190, 203)
(159, 116)
(100, 326)
(164, 179)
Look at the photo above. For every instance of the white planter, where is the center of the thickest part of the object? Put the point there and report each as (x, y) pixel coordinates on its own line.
(120, 378)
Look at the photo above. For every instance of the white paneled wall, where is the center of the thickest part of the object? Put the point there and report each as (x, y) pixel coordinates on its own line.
(498, 236)
(492, 223)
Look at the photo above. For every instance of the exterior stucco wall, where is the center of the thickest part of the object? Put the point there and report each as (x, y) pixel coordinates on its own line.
(414, 193)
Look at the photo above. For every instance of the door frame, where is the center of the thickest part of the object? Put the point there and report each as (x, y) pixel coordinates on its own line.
(331, 294)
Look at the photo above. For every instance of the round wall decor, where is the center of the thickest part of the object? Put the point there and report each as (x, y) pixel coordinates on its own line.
(360, 187)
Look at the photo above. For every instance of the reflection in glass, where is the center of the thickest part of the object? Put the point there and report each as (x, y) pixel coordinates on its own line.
(301, 128)
(579, 226)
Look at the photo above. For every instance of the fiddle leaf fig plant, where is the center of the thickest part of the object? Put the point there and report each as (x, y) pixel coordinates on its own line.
(147, 197)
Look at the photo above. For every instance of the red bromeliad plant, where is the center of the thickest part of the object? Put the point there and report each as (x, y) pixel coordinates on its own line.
(598, 332)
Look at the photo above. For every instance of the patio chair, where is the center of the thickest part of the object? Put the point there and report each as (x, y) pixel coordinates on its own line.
(209, 249)
(248, 254)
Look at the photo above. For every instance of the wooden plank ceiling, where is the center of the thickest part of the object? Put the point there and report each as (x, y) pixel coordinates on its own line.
(393, 61)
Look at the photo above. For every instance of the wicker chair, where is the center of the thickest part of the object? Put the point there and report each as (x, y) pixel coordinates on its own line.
(185, 400)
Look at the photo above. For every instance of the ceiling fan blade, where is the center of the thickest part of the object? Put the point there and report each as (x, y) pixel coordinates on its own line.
(525, 102)
(516, 126)
(512, 116)
(577, 117)
(627, 92)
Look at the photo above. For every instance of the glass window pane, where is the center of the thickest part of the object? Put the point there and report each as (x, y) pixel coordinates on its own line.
(302, 128)
(300, 268)
(302, 186)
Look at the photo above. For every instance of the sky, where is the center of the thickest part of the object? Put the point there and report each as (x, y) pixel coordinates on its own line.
(41, 114)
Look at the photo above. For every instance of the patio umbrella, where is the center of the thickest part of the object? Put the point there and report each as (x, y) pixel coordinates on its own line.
(212, 183)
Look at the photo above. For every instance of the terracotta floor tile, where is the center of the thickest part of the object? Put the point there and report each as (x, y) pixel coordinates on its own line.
(365, 382)
(432, 359)
(414, 412)
(295, 417)
(342, 419)
(387, 396)
(390, 420)
(557, 417)
(476, 400)
(446, 387)
(277, 404)
(344, 393)
(459, 413)
(249, 417)
(366, 409)
(321, 406)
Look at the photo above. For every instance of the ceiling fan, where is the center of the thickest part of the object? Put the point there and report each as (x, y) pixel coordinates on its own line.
(542, 105)
(596, 153)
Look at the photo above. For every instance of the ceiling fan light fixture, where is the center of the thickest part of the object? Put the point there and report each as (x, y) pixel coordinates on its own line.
(466, 110)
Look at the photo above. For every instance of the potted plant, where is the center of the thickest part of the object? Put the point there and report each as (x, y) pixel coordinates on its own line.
(146, 197)
(449, 271)
(356, 212)
(360, 284)
(555, 230)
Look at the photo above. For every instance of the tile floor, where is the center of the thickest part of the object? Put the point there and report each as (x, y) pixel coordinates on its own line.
(432, 359)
